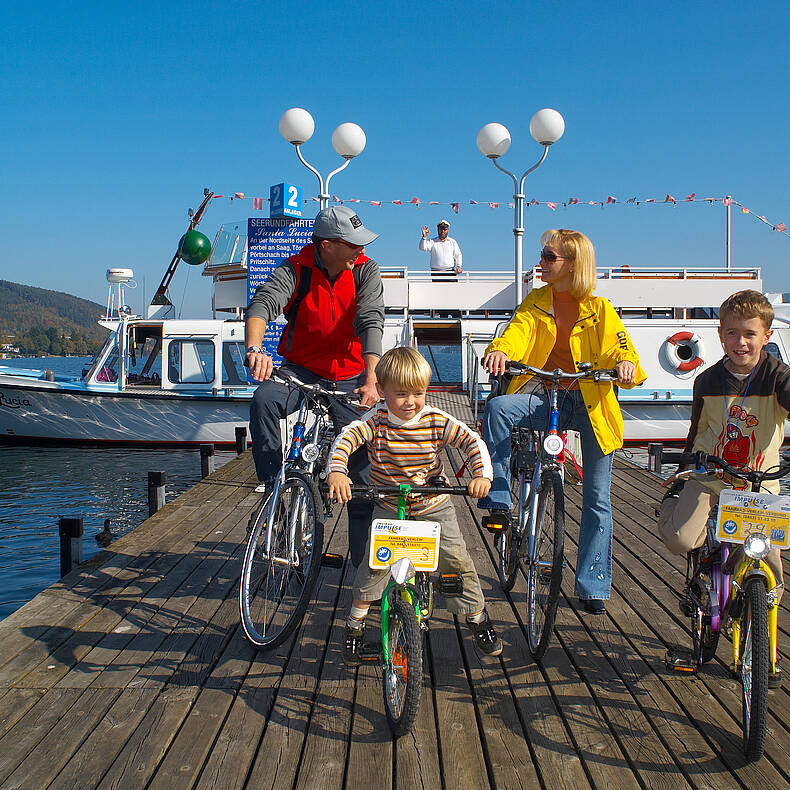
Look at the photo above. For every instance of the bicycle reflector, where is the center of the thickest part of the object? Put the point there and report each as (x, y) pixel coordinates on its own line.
(553, 444)
(450, 584)
(402, 570)
(497, 521)
(756, 545)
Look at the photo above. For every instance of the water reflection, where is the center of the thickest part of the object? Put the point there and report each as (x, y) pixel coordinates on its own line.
(38, 485)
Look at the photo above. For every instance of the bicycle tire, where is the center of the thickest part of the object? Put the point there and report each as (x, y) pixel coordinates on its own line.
(273, 596)
(755, 665)
(508, 543)
(402, 668)
(544, 568)
(704, 638)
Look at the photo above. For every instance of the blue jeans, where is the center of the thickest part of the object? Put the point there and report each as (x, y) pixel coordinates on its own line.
(271, 402)
(594, 558)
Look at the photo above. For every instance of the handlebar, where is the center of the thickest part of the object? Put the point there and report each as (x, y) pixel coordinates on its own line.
(375, 492)
(585, 372)
(702, 461)
(291, 380)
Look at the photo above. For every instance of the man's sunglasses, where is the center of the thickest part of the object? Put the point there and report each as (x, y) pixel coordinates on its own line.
(549, 256)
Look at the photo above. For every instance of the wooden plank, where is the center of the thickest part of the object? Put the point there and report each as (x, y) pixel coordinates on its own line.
(142, 752)
(105, 742)
(62, 740)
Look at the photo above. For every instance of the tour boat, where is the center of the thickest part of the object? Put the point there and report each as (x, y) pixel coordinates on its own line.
(162, 380)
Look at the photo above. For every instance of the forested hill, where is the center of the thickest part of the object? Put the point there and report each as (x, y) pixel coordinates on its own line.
(38, 321)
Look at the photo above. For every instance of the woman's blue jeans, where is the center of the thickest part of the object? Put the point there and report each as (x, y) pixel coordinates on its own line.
(594, 558)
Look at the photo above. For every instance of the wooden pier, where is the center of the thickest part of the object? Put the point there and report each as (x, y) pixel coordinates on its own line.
(133, 672)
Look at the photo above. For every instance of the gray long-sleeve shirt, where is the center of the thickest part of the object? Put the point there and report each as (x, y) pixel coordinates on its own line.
(271, 297)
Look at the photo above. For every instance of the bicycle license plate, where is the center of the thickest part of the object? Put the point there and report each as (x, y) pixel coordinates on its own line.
(744, 512)
(393, 539)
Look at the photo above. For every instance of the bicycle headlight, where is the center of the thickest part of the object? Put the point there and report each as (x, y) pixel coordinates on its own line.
(402, 570)
(310, 452)
(553, 444)
(756, 545)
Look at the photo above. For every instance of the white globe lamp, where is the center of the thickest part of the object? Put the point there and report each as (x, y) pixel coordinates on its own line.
(547, 126)
(348, 140)
(297, 126)
(493, 140)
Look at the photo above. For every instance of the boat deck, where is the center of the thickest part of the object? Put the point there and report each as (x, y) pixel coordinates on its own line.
(133, 672)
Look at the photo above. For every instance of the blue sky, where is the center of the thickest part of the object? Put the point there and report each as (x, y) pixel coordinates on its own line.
(115, 116)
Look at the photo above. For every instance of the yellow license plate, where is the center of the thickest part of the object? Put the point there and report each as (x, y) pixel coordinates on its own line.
(393, 539)
(742, 513)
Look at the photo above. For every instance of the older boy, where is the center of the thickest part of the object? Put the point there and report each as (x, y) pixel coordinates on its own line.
(738, 412)
(404, 438)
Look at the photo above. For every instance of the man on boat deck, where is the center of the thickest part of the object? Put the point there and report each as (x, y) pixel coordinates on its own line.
(446, 258)
(332, 297)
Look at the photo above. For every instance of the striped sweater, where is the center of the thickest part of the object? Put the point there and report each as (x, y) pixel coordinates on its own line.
(408, 451)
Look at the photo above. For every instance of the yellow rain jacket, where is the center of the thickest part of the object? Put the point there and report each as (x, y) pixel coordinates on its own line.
(598, 337)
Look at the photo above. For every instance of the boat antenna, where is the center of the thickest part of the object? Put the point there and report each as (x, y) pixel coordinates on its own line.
(160, 298)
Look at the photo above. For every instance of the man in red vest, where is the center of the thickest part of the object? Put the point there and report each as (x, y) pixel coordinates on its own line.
(331, 295)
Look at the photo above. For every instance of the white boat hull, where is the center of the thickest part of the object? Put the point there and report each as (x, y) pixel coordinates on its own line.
(47, 412)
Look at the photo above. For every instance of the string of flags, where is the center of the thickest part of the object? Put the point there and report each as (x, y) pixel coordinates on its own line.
(778, 227)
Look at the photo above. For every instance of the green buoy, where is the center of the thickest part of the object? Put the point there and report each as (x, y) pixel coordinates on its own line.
(194, 248)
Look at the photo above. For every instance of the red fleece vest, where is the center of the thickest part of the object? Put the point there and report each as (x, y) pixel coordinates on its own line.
(323, 338)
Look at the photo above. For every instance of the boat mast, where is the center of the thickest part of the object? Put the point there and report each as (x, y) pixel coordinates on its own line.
(160, 297)
(728, 231)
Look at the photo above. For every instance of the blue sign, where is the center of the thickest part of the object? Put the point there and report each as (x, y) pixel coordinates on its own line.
(285, 200)
(269, 243)
(383, 554)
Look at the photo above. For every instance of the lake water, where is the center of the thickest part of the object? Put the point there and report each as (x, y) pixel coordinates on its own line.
(39, 485)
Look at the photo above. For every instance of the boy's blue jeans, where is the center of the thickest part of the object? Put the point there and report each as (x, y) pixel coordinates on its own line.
(594, 558)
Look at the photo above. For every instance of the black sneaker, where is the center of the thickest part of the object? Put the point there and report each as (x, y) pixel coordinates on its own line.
(485, 636)
(352, 645)
(594, 605)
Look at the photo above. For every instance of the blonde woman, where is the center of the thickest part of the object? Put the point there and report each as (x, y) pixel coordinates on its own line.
(559, 326)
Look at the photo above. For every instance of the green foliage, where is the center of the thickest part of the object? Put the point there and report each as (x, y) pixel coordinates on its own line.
(38, 321)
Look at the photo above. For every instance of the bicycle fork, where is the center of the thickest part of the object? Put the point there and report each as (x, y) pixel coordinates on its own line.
(743, 573)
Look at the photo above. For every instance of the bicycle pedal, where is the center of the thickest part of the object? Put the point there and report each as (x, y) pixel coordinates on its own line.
(370, 651)
(686, 606)
(450, 585)
(678, 660)
(497, 522)
(330, 560)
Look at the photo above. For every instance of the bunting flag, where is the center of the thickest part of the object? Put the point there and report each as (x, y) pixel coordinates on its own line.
(610, 200)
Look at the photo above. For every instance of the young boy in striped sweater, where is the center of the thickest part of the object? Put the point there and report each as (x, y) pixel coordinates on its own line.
(404, 438)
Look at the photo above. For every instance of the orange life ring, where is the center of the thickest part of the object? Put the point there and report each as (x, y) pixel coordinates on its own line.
(687, 340)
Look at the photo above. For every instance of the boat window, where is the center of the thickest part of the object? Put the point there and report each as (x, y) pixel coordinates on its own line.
(144, 363)
(190, 361)
(233, 371)
(773, 349)
(703, 312)
(109, 369)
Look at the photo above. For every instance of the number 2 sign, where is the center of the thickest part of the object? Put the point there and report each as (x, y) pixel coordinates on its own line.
(285, 200)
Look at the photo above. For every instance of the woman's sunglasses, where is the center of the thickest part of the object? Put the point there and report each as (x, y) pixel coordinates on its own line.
(549, 256)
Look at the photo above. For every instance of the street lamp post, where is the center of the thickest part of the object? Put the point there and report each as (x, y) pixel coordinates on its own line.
(297, 127)
(493, 140)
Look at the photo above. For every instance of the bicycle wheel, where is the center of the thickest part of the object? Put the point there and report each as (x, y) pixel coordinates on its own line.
(275, 588)
(509, 539)
(705, 639)
(755, 662)
(544, 567)
(403, 668)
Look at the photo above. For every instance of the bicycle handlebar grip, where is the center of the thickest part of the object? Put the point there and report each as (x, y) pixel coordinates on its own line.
(675, 457)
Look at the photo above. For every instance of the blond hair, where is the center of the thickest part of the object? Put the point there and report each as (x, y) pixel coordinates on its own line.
(747, 304)
(578, 249)
(404, 367)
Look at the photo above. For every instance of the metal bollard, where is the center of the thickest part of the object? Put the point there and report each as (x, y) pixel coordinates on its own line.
(654, 450)
(70, 530)
(206, 459)
(241, 439)
(156, 492)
